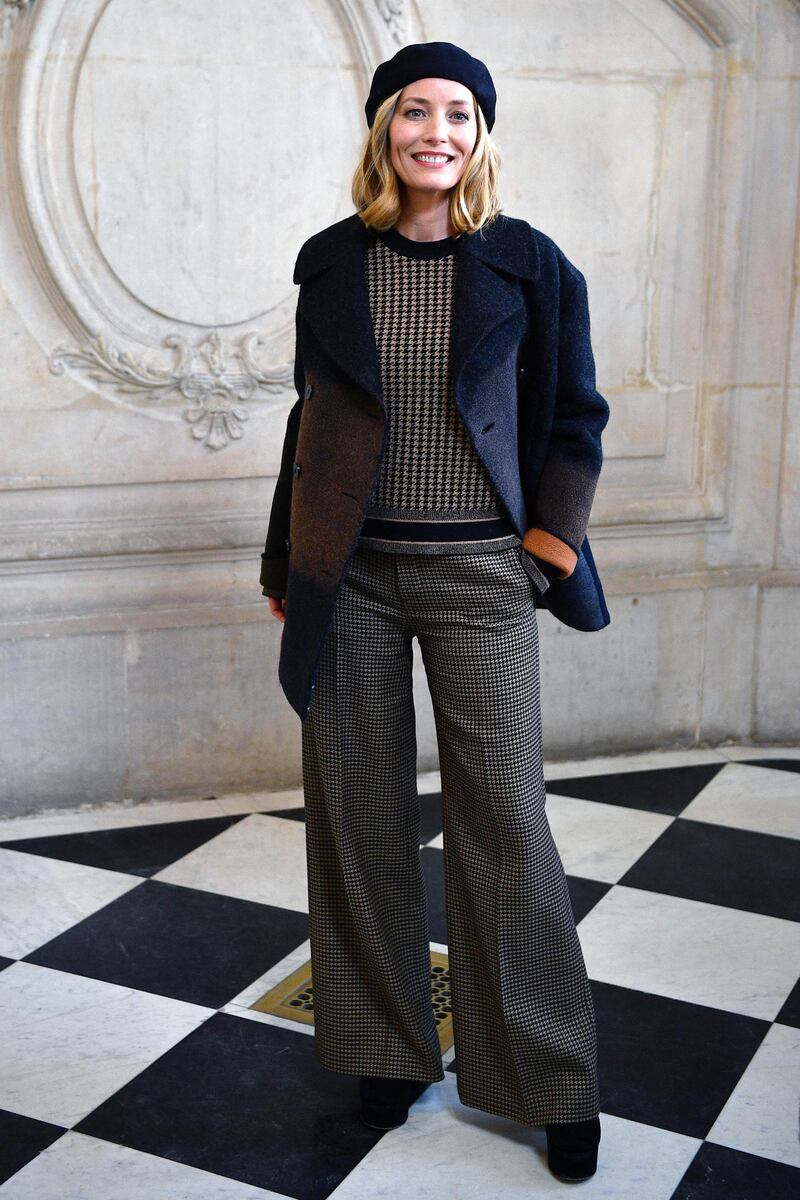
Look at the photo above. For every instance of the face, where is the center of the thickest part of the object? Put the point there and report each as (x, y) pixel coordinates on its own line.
(434, 117)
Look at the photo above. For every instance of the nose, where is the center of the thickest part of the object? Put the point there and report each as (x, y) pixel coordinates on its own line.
(437, 128)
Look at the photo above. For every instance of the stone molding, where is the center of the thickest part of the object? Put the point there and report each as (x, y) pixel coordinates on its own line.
(114, 342)
(117, 346)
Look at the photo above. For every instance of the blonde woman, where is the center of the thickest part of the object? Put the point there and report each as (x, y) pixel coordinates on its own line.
(437, 477)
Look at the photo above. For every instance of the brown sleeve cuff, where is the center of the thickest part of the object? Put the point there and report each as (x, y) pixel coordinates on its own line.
(544, 545)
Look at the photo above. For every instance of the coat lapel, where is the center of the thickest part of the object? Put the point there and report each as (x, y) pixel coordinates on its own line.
(335, 300)
(483, 298)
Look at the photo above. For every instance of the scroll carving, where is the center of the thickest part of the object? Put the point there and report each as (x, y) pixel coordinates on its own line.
(217, 380)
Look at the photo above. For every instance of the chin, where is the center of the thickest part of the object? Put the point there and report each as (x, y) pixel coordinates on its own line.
(436, 177)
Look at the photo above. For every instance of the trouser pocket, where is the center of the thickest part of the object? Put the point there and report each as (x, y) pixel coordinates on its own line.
(538, 578)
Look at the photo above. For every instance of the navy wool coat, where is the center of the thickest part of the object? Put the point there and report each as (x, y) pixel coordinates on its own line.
(524, 376)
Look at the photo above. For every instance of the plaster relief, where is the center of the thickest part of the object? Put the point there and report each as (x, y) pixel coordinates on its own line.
(161, 187)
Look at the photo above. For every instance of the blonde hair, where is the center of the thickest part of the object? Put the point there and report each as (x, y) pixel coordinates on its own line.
(375, 191)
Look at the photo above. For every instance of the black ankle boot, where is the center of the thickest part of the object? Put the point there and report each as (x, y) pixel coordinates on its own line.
(572, 1148)
(385, 1102)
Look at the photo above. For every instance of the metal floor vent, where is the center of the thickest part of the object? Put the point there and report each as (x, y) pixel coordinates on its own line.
(293, 998)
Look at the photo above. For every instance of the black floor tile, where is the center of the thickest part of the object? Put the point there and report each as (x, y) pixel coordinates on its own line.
(584, 894)
(430, 809)
(666, 791)
(790, 1013)
(432, 861)
(246, 1100)
(666, 1062)
(177, 941)
(292, 814)
(134, 850)
(21, 1139)
(720, 1173)
(757, 872)
(774, 764)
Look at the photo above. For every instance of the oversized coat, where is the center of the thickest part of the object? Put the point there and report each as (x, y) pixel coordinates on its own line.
(524, 376)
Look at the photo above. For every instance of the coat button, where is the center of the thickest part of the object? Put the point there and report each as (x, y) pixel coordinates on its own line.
(296, 469)
(308, 391)
(287, 544)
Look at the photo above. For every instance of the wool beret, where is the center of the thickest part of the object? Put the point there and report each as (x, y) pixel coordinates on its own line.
(432, 60)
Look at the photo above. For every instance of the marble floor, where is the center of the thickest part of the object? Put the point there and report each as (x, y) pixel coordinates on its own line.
(134, 941)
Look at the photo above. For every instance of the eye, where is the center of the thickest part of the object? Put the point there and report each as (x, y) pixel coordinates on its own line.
(409, 111)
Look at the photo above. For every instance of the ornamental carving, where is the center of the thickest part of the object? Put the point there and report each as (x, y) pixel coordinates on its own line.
(9, 12)
(218, 381)
(394, 15)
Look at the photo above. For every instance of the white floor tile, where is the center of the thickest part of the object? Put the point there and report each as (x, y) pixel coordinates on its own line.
(77, 1040)
(77, 1167)
(601, 841)
(446, 1149)
(116, 816)
(429, 781)
(738, 751)
(756, 798)
(260, 858)
(614, 764)
(41, 897)
(251, 802)
(703, 953)
(761, 1115)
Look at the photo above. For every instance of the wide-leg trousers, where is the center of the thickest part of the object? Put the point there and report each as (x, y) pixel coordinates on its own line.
(523, 1018)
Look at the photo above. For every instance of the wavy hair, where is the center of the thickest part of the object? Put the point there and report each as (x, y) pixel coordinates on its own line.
(474, 200)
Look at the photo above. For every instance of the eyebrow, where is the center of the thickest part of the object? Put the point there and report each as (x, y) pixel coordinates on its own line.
(423, 100)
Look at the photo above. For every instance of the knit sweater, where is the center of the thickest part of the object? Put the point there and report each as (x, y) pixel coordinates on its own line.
(433, 494)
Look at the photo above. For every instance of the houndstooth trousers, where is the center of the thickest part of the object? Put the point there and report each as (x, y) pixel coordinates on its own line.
(523, 1017)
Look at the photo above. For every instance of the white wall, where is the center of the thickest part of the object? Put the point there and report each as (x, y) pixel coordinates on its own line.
(163, 161)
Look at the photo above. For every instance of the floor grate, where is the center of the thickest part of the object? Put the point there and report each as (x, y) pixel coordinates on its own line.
(293, 997)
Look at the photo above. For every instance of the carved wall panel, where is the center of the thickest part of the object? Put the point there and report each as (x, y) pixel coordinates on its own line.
(167, 160)
(162, 162)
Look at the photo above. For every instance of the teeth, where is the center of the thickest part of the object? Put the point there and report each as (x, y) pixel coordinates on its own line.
(431, 157)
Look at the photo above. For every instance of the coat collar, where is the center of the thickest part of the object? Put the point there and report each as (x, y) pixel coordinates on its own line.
(334, 300)
(506, 243)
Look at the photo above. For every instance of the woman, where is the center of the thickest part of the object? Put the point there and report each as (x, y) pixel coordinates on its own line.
(429, 489)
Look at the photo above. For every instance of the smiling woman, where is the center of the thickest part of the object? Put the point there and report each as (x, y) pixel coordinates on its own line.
(396, 185)
(447, 430)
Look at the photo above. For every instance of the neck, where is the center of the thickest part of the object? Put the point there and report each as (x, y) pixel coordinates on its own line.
(424, 217)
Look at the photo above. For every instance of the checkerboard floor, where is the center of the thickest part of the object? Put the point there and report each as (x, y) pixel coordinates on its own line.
(135, 940)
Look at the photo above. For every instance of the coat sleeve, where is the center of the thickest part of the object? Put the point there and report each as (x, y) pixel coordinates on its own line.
(572, 466)
(275, 559)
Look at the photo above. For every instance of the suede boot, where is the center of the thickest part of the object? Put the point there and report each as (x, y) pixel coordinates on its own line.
(572, 1148)
(385, 1102)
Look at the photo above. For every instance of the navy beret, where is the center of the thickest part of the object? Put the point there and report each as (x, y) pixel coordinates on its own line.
(432, 60)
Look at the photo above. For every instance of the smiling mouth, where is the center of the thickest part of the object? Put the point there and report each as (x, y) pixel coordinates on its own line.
(433, 160)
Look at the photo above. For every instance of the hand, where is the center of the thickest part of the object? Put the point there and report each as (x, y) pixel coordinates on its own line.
(550, 571)
(277, 606)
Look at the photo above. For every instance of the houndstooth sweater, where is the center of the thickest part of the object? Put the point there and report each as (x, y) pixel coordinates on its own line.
(433, 494)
